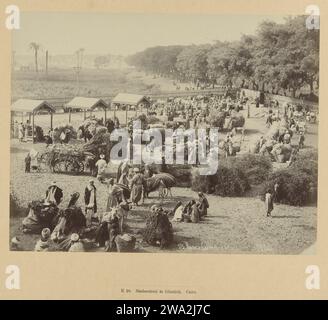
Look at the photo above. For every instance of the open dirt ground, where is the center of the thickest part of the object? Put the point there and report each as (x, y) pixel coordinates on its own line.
(233, 225)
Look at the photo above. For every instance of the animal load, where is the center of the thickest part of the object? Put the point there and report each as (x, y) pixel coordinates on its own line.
(158, 230)
(159, 180)
(67, 158)
(282, 152)
(237, 120)
(277, 129)
(218, 119)
(99, 143)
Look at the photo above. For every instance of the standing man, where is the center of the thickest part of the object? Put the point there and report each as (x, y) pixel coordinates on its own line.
(90, 200)
(301, 140)
(28, 160)
(101, 165)
(268, 202)
(54, 194)
(21, 132)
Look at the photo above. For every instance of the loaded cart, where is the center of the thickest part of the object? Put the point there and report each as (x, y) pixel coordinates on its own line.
(68, 159)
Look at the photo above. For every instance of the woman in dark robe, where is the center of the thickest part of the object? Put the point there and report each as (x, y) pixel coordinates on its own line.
(71, 220)
(203, 204)
(115, 195)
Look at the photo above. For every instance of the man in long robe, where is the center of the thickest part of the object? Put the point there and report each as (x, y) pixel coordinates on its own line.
(54, 194)
(101, 165)
(90, 199)
(137, 186)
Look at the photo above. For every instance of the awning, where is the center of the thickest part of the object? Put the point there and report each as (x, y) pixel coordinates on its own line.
(130, 99)
(30, 106)
(86, 103)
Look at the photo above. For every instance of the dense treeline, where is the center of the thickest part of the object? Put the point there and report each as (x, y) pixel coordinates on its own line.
(279, 58)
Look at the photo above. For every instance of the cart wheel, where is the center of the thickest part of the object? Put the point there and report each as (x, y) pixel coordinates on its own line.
(81, 166)
(59, 166)
(72, 166)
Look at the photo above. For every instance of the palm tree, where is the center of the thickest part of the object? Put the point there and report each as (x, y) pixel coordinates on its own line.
(81, 57)
(36, 47)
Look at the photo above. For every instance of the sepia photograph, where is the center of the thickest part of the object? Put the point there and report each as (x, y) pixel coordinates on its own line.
(164, 133)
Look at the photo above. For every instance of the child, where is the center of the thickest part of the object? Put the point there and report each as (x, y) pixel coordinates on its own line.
(44, 243)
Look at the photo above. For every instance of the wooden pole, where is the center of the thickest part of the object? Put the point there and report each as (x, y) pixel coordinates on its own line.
(105, 115)
(47, 62)
(51, 120)
(85, 114)
(69, 115)
(126, 114)
(33, 127)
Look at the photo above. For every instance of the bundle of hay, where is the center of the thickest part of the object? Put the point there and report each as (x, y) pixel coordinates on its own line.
(100, 143)
(282, 152)
(237, 120)
(181, 173)
(218, 119)
(158, 230)
(164, 179)
(71, 133)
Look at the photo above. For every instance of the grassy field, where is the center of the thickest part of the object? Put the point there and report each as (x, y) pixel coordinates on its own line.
(62, 83)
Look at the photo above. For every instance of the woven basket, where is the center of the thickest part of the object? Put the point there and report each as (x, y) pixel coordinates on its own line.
(125, 244)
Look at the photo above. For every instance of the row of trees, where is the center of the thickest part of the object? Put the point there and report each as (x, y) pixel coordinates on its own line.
(278, 58)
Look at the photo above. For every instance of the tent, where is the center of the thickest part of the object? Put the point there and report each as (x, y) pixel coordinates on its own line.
(33, 107)
(86, 104)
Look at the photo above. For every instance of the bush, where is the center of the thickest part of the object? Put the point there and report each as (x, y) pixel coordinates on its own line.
(256, 167)
(229, 180)
(203, 183)
(298, 183)
(307, 162)
(295, 188)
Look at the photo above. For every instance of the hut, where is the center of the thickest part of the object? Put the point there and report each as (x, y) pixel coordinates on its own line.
(86, 104)
(33, 107)
(131, 100)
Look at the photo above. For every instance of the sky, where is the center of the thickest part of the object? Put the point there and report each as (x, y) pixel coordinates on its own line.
(104, 33)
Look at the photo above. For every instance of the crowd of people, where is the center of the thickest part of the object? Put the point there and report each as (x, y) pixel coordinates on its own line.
(77, 229)
(74, 229)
